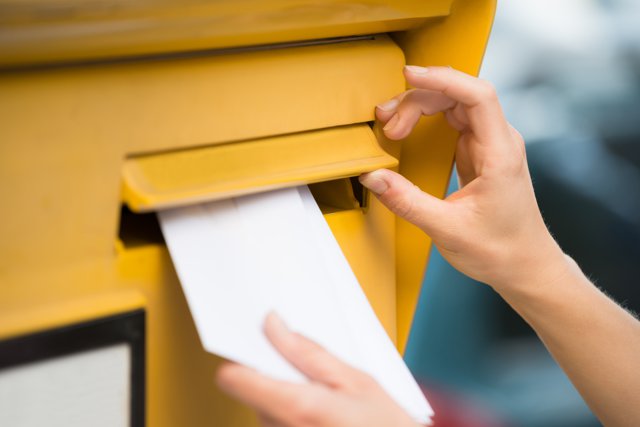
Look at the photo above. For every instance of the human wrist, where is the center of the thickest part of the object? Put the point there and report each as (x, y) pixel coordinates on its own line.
(534, 272)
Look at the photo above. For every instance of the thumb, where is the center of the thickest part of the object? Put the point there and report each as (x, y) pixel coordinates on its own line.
(406, 200)
(311, 359)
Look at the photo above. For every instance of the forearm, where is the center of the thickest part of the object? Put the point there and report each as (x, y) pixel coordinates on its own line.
(594, 340)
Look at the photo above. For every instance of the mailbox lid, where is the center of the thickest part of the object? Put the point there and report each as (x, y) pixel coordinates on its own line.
(176, 178)
(50, 31)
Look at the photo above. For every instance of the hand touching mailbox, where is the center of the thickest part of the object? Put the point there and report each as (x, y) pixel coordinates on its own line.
(483, 228)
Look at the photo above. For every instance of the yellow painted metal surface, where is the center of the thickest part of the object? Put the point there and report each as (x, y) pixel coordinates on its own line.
(149, 106)
(428, 153)
(177, 178)
(67, 133)
(51, 30)
(44, 313)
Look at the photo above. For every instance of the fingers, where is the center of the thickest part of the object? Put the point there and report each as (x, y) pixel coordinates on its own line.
(277, 402)
(416, 103)
(267, 421)
(402, 113)
(459, 86)
(387, 109)
(408, 201)
(311, 359)
(270, 397)
(477, 96)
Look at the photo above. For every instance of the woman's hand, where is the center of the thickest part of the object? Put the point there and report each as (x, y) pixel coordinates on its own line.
(491, 229)
(337, 396)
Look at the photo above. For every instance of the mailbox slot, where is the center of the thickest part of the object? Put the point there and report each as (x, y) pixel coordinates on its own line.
(171, 179)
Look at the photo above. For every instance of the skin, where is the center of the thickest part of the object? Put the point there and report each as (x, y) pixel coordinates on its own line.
(491, 230)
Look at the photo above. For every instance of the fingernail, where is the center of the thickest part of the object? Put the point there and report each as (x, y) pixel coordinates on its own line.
(389, 105)
(276, 322)
(374, 182)
(414, 69)
(391, 123)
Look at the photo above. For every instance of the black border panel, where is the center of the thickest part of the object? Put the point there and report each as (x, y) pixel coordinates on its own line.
(122, 328)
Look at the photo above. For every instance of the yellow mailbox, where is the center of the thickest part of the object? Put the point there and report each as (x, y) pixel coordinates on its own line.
(110, 111)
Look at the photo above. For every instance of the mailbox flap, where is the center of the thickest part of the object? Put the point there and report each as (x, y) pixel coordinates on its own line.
(177, 178)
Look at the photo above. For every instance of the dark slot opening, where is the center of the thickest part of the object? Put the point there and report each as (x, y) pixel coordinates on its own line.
(359, 192)
(339, 195)
(140, 229)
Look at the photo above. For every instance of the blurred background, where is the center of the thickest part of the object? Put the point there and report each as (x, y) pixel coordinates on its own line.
(568, 75)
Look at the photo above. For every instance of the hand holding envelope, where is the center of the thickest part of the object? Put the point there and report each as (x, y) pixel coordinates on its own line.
(338, 395)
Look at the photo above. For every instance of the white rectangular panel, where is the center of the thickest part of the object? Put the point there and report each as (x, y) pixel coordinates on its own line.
(88, 388)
